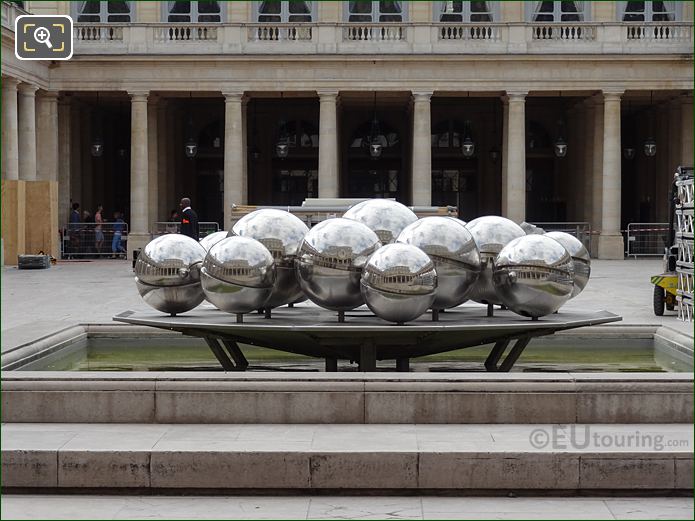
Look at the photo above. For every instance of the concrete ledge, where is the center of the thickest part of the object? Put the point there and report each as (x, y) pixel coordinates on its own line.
(147, 397)
(339, 457)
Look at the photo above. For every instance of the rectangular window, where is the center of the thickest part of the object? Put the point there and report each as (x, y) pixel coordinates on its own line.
(103, 12)
(292, 11)
(365, 11)
(204, 11)
(650, 11)
(465, 11)
(553, 12)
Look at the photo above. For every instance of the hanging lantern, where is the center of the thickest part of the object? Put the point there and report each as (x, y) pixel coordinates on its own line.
(373, 141)
(191, 148)
(629, 152)
(494, 154)
(560, 146)
(468, 145)
(282, 147)
(97, 147)
(650, 147)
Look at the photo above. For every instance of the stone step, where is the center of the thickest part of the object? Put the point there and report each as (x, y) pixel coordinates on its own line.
(348, 457)
(357, 398)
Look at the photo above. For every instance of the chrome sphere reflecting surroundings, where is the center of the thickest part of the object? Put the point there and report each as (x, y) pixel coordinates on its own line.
(385, 217)
(167, 273)
(330, 261)
(580, 258)
(211, 239)
(282, 233)
(238, 274)
(399, 282)
(491, 233)
(455, 255)
(533, 275)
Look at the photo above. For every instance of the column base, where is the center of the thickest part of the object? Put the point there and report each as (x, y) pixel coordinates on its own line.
(611, 247)
(137, 241)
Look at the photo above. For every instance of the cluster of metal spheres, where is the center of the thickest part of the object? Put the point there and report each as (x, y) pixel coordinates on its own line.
(379, 254)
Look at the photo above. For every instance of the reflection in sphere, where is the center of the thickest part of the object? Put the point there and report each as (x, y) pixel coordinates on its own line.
(167, 273)
(455, 255)
(282, 233)
(399, 282)
(385, 217)
(238, 274)
(491, 233)
(533, 275)
(330, 261)
(580, 258)
(211, 239)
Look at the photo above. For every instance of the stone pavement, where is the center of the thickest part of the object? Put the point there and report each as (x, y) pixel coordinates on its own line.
(342, 507)
(38, 302)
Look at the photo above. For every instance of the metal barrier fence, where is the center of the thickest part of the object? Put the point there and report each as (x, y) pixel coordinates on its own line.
(91, 240)
(581, 230)
(204, 228)
(646, 239)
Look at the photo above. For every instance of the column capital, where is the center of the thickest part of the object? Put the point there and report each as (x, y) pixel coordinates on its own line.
(422, 96)
(27, 89)
(515, 96)
(612, 94)
(9, 81)
(138, 95)
(234, 96)
(327, 94)
(50, 94)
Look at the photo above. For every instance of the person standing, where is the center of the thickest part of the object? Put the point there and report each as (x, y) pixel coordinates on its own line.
(98, 228)
(189, 219)
(118, 227)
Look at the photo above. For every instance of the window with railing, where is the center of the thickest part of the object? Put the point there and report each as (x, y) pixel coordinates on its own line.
(103, 12)
(650, 11)
(203, 11)
(557, 12)
(465, 12)
(376, 12)
(284, 12)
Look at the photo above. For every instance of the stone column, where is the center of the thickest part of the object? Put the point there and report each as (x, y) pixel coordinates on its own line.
(47, 137)
(687, 131)
(27, 132)
(234, 173)
(64, 162)
(597, 176)
(514, 204)
(422, 149)
(587, 143)
(138, 234)
(10, 133)
(163, 173)
(610, 242)
(152, 158)
(328, 144)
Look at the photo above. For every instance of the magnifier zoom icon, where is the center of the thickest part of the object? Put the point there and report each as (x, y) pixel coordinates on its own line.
(43, 35)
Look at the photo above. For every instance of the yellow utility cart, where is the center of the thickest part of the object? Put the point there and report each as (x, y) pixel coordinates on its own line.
(665, 288)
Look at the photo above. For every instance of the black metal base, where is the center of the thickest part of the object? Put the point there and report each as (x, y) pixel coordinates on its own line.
(364, 338)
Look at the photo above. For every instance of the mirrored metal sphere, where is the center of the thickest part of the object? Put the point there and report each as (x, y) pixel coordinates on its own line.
(491, 233)
(330, 261)
(533, 275)
(238, 274)
(454, 253)
(385, 217)
(282, 233)
(211, 239)
(580, 258)
(167, 273)
(399, 282)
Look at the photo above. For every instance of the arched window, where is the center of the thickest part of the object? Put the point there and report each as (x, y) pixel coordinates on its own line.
(650, 11)
(557, 11)
(464, 11)
(376, 12)
(104, 12)
(284, 12)
(204, 11)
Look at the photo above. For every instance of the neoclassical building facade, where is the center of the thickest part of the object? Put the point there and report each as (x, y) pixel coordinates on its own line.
(539, 111)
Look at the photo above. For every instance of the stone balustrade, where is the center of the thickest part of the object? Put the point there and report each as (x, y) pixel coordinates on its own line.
(383, 38)
(10, 11)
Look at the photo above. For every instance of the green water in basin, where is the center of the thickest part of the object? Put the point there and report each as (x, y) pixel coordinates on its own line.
(550, 354)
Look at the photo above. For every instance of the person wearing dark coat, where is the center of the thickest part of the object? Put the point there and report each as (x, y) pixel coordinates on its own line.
(189, 219)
